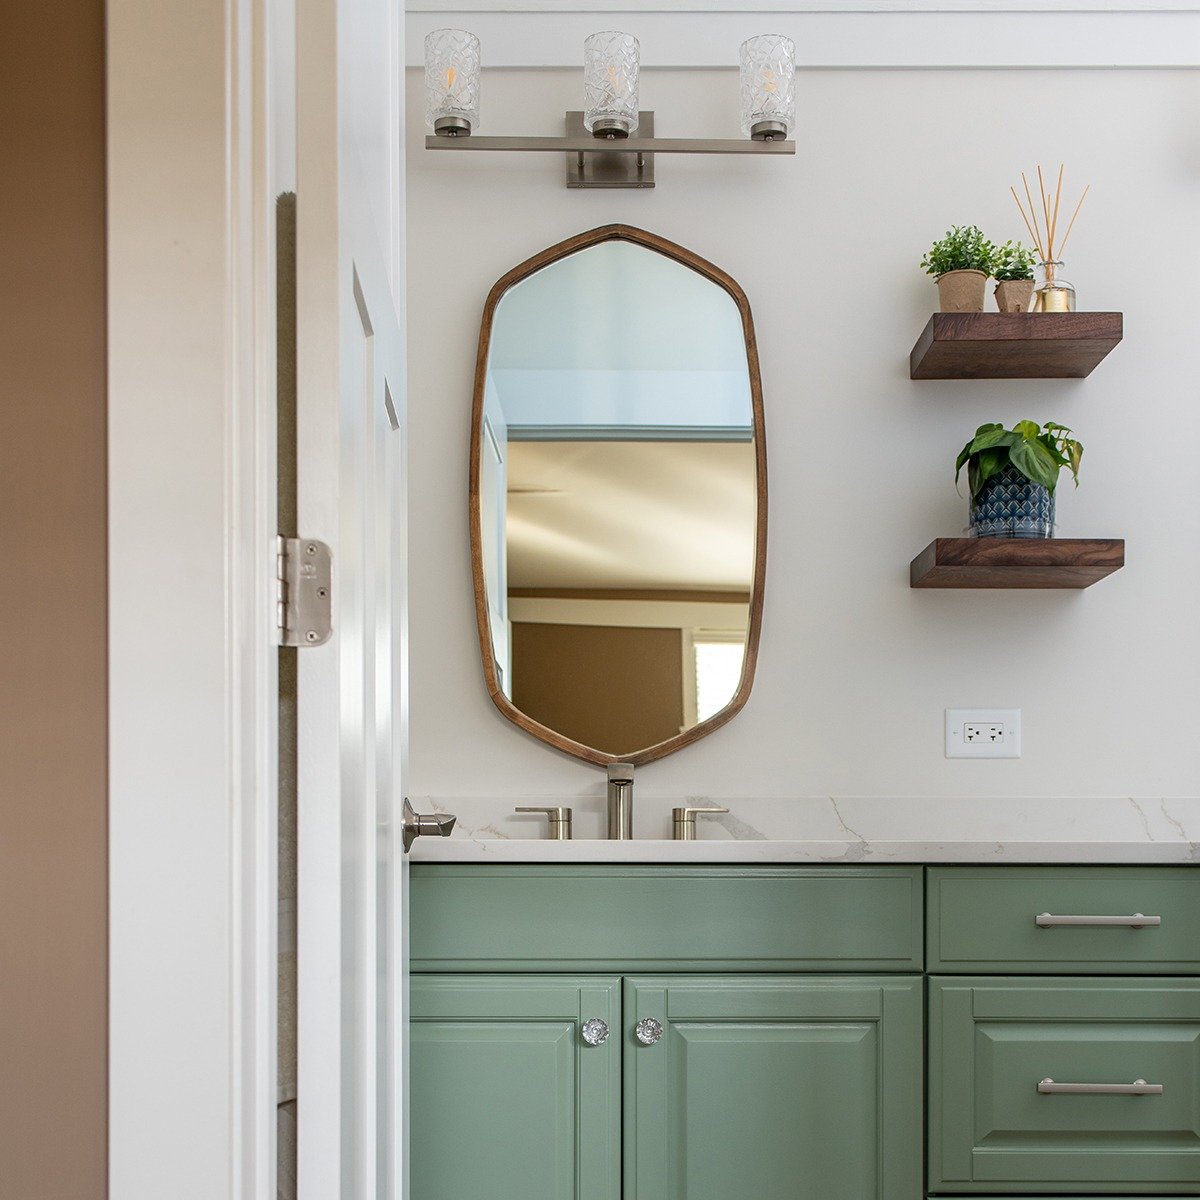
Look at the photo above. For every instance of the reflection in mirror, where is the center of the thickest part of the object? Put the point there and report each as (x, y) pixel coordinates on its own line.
(617, 472)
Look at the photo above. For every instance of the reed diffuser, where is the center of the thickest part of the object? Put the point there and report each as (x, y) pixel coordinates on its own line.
(1053, 292)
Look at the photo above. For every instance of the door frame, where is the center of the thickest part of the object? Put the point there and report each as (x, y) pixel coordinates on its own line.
(192, 681)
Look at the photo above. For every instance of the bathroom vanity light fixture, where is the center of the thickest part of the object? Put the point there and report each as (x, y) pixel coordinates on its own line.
(610, 143)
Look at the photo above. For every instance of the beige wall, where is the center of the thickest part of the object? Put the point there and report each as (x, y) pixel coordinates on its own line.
(566, 675)
(52, 649)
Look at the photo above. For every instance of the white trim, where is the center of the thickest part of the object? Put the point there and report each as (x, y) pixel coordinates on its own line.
(192, 690)
(322, 1098)
(253, 593)
(906, 34)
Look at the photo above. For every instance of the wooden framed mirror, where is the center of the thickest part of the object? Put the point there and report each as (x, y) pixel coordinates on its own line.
(618, 496)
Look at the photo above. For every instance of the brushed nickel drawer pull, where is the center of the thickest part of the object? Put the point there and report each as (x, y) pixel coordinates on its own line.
(1139, 1087)
(1136, 921)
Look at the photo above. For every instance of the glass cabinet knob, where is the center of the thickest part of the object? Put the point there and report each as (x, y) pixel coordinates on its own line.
(595, 1032)
(648, 1031)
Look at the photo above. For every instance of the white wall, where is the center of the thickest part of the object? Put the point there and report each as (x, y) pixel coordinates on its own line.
(856, 668)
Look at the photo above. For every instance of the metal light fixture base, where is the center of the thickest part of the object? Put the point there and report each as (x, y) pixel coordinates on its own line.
(611, 127)
(452, 127)
(769, 131)
(597, 169)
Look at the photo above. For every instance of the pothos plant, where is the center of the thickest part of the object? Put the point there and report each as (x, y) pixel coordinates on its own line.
(964, 248)
(1012, 261)
(1038, 453)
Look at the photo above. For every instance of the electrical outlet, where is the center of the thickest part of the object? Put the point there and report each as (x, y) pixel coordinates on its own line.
(975, 733)
(983, 733)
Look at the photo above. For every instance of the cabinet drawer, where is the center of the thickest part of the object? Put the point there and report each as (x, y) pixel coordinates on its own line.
(987, 919)
(1001, 1119)
(468, 917)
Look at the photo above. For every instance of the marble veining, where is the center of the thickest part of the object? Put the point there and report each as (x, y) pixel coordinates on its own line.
(833, 829)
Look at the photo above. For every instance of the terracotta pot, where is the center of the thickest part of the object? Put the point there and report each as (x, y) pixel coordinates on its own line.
(962, 291)
(1014, 295)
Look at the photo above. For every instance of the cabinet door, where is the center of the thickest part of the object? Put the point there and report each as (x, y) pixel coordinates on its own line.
(508, 1099)
(1035, 1085)
(777, 1088)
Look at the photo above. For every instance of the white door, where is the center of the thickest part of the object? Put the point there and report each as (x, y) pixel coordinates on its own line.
(351, 690)
(493, 522)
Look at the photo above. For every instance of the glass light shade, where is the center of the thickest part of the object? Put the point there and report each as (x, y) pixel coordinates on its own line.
(452, 60)
(768, 91)
(610, 84)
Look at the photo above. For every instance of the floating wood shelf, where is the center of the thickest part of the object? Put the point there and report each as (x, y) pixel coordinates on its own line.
(991, 345)
(999, 562)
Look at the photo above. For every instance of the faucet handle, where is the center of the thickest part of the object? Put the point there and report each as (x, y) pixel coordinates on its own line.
(683, 821)
(560, 820)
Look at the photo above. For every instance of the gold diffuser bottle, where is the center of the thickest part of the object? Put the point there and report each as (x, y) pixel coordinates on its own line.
(1053, 293)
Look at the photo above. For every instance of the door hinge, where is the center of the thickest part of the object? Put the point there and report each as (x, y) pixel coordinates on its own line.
(303, 580)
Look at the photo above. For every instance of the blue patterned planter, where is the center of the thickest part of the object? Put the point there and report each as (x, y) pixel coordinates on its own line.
(1012, 506)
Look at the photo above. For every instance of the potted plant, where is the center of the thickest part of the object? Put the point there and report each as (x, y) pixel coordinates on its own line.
(961, 263)
(1012, 269)
(1012, 474)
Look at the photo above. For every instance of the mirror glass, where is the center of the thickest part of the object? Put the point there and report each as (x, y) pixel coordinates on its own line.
(617, 471)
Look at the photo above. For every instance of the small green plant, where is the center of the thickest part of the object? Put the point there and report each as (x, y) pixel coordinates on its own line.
(964, 248)
(1038, 453)
(1013, 261)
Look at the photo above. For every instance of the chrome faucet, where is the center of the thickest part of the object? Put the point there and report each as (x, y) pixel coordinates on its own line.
(620, 801)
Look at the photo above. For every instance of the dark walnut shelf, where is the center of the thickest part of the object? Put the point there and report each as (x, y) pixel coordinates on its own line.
(991, 345)
(998, 562)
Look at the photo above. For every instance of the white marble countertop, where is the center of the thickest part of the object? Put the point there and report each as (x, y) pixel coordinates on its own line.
(833, 830)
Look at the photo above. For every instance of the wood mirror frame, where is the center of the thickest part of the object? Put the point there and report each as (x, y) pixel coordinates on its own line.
(640, 237)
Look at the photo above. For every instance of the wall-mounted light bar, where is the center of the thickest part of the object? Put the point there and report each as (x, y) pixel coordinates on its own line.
(610, 143)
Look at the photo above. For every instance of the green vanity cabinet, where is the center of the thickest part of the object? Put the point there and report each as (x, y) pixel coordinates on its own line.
(508, 1099)
(776, 1088)
(786, 1064)
(804, 1033)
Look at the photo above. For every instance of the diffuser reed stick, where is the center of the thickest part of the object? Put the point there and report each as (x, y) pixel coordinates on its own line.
(1047, 243)
(1072, 223)
(1057, 198)
(1037, 231)
(1045, 205)
(1025, 219)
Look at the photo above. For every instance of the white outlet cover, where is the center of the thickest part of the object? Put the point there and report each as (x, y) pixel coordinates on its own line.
(1008, 719)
